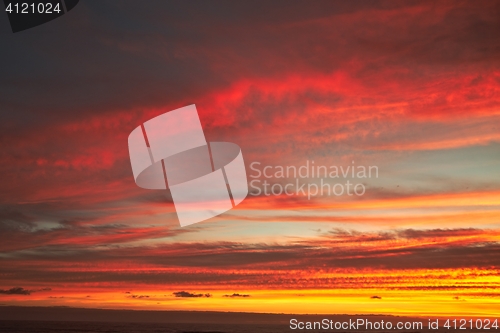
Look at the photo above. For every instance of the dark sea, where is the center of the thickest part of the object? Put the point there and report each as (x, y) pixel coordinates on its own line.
(15, 326)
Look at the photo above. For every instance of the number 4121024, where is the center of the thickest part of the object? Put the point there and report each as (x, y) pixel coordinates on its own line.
(39, 8)
(478, 324)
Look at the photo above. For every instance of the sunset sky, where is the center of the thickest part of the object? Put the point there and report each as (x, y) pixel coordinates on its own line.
(410, 87)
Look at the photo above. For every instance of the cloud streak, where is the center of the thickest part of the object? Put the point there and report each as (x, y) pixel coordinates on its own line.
(20, 291)
(190, 295)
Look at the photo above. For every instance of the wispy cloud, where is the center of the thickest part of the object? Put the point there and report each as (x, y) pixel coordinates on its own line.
(21, 291)
(188, 294)
(237, 295)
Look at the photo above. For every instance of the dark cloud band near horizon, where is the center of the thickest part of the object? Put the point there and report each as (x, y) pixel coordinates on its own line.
(411, 87)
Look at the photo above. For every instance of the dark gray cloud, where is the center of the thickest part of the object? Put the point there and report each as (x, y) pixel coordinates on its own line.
(138, 296)
(12, 219)
(237, 295)
(188, 294)
(21, 291)
(15, 291)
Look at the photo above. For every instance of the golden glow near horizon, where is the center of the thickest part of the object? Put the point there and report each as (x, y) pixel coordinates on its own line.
(445, 292)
